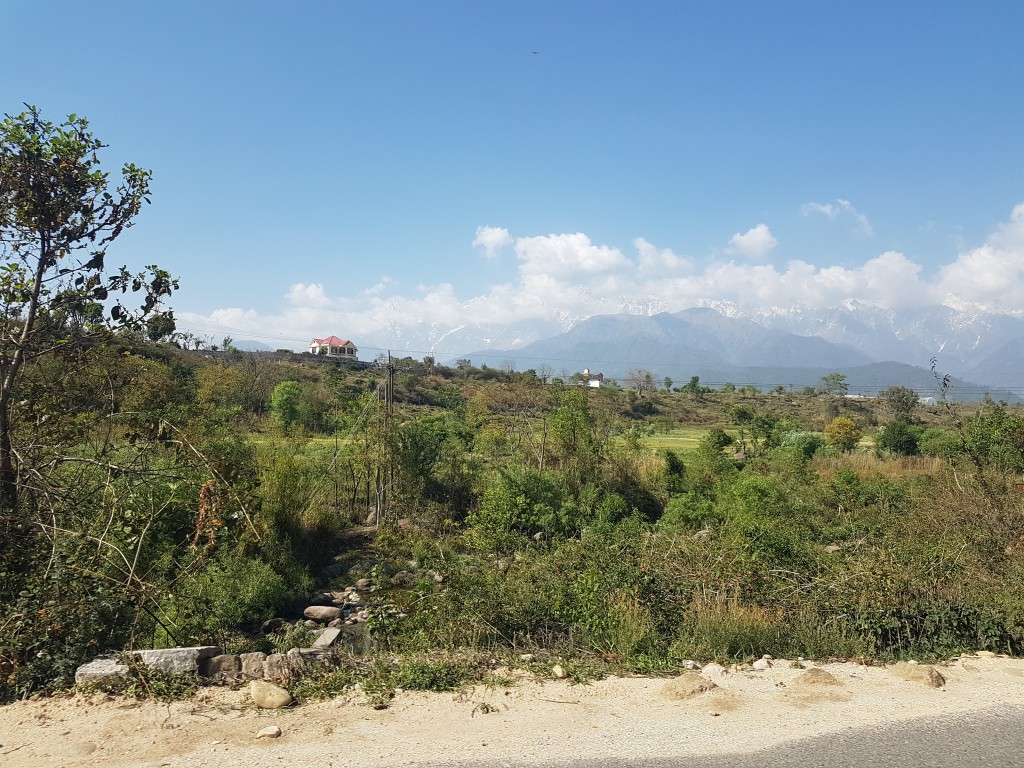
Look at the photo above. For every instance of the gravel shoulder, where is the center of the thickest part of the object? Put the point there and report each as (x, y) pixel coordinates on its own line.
(533, 722)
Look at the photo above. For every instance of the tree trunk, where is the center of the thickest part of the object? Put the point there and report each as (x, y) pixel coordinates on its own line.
(8, 471)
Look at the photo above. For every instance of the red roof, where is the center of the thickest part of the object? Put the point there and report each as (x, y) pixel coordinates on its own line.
(333, 341)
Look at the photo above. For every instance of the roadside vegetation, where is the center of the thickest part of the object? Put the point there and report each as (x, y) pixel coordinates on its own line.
(153, 495)
(178, 502)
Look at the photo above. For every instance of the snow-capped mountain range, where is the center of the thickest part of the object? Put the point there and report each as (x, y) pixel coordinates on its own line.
(720, 341)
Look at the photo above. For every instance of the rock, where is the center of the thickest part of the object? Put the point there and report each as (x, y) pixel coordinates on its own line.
(919, 673)
(558, 671)
(272, 625)
(327, 638)
(686, 686)
(435, 576)
(761, 664)
(270, 732)
(178, 661)
(99, 670)
(689, 664)
(322, 599)
(253, 665)
(364, 584)
(816, 677)
(268, 696)
(277, 667)
(301, 658)
(527, 657)
(322, 613)
(336, 623)
(714, 670)
(985, 654)
(225, 665)
(404, 579)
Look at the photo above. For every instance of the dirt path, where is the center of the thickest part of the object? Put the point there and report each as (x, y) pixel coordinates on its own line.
(530, 723)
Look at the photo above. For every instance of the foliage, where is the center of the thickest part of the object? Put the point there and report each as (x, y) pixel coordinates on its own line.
(284, 403)
(514, 516)
(900, 402)
(833, 384)
(843, 433)
(899, 437)
(55, 202)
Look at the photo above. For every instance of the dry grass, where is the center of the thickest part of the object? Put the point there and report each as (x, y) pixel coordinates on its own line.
(893, 468)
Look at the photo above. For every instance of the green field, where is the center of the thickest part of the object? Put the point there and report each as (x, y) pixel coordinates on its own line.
(682, 439)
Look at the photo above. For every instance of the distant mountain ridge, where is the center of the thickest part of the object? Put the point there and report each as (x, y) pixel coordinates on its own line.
(873, 347)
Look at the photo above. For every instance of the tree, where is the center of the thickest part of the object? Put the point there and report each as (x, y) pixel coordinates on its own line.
(693, 387)
(843, 433)
(900, 401)
(58, 215)
(833, 384)
(900, 437)
(285, 402)
(641, 380)
(668, 383)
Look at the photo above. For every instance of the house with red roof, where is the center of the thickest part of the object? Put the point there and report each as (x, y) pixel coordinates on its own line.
(332, 346)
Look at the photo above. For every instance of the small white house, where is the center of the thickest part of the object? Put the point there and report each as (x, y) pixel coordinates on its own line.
(332, 346)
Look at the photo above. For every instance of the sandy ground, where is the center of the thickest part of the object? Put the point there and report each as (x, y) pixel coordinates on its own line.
(530, 723)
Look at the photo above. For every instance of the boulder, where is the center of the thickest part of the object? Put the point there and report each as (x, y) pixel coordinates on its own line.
(272, 625)
(277, 667)
(225, 665)
(327, 638)
(714, 670)
(919, 673)
(268, 696)
(253, 665)
(322, 613)
(178, 661)
(99, 670)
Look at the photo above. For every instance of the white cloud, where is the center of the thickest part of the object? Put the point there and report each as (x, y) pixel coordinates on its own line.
(307, 295)
(490, 240)
(840, 208)
(566, 276)
(756, 243)
(657, 262)
(992, 274)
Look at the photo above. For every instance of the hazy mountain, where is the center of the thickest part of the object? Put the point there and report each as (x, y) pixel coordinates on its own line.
(438, 339)
(724, 346)
(963, 339)
(1002, 368)
(674, 345)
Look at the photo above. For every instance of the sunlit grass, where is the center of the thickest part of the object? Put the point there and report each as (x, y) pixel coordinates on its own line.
(681, 439)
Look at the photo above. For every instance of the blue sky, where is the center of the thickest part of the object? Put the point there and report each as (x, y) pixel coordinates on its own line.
(331, 167)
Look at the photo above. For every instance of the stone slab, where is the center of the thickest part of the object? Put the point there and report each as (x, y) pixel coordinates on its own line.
(178, 661)
(98, 670)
